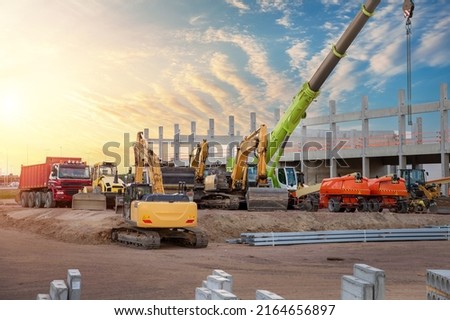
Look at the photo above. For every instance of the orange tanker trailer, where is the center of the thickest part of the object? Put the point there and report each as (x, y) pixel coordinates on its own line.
(347, 193)
(388, 192)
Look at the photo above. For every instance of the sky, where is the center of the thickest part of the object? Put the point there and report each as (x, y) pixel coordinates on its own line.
(79, 75)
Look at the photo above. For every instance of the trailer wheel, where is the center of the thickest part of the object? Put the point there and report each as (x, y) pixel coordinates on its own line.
(362, 205)
(333, 205)
(31, 199)
(24, 199)
(39, 199)
(373, 205)
(49, 201)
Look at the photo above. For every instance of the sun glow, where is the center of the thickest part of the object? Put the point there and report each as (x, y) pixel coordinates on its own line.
(10, 107)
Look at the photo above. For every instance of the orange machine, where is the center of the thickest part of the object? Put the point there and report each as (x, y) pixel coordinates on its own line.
(388, 192)
(346, 193)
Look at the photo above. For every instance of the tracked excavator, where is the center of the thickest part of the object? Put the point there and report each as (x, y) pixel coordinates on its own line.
(151, 215)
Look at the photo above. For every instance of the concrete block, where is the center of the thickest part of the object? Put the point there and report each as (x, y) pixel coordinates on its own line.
(353, 288)
(225, 275)
(372, 275)
(439, 280)
(267, 295)
(43, 296)
(58, 290)
(205, 284)
(74, 284)
(220, 294)
(202, 293)
(218, 282)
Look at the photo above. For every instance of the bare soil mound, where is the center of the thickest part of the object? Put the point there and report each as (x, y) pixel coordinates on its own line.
(93, 227)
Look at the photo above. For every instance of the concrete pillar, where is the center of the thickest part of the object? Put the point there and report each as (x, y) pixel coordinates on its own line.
(162, 149)
(418, 131)
(193, 128)
(211, 129)
(211, 138)
(401, 129)
(443, 112)
(231, 126)
(252, 121)
(365, 134)
(331, 139)
(176, 142)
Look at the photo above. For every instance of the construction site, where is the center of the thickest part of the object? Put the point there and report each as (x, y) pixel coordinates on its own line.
(322, 201)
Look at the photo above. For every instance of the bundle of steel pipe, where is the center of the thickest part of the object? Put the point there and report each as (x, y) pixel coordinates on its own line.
(336, 236)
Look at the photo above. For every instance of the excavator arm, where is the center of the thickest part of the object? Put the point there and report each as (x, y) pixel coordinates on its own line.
(257, 143)
(146, 160)
(198, 161)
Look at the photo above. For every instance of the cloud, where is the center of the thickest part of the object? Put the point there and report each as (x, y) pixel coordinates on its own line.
(238, 4)
(298, 53)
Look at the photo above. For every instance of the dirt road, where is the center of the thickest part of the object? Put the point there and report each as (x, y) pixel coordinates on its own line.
(39, 245)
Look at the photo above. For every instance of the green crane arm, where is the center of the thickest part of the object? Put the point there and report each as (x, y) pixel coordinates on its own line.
(280, 135)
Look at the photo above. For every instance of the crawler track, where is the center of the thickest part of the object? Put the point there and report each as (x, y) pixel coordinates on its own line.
(151, 239)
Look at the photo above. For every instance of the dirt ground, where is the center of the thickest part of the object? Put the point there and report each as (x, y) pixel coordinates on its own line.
(39, 245)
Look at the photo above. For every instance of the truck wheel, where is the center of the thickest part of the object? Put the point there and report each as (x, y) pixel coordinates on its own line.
(333, 205)
(49, 201)
(31, 199)
(39, 198)
(24, 199)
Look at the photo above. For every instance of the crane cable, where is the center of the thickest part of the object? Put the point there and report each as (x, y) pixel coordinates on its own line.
(408, 69)
(408, 9)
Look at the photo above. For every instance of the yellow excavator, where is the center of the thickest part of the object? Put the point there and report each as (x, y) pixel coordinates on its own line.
(151, 215)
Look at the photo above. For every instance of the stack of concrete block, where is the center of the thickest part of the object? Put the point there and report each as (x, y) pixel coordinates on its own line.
(366, 283)
(60, 290)
(219, 286)
(438, 284)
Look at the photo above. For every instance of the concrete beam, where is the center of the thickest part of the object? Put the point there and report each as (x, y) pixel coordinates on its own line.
(353, 288)
(372, 275)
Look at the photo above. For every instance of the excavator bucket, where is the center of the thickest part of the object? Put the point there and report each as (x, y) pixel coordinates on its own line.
(89, 201)
(173, 176)
(267, 199)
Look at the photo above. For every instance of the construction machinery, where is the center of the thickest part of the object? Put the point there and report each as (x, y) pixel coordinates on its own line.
(424, 195)
(246, 185)
(105, 179)
(151, 215)
(265, 170)
(53, 183)
(388, 192)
